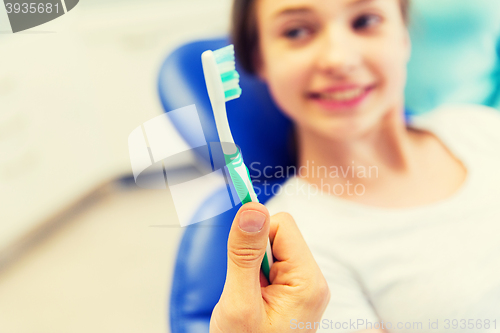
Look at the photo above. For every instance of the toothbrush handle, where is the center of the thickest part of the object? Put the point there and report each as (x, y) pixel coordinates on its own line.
(243, 185)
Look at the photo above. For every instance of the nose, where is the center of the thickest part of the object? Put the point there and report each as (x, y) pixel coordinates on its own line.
(338, 56)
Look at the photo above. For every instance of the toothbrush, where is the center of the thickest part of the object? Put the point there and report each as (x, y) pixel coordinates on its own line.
(222, 81)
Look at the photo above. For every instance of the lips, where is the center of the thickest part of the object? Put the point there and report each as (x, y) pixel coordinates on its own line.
(341, 97)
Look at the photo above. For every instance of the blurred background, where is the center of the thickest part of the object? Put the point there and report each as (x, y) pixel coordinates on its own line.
(82, 248)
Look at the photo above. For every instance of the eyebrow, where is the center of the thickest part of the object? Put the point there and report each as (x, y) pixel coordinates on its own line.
(299, 10)
(360, 2)
(290, 11)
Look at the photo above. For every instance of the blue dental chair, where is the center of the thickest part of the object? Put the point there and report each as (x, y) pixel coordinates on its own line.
(264, 136)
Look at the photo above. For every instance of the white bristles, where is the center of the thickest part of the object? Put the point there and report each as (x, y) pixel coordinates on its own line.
(231, 84)
(226, 66)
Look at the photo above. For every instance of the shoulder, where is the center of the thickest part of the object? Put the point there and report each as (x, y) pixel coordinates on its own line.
(462, 115)
(476, 126)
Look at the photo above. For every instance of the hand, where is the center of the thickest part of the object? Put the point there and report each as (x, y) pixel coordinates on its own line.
(298, 290)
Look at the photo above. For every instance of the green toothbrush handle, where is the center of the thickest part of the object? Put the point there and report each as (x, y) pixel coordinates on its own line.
(240, 177)
(244, 188)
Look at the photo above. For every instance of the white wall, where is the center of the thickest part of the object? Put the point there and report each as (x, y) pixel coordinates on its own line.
(73, 89)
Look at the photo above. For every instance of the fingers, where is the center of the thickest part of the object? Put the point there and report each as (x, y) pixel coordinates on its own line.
(287, 240)
(295, 264)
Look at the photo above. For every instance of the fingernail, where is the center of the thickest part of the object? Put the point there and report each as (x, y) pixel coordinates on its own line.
(252, 220)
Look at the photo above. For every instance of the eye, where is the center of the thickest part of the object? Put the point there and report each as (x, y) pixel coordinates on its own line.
(366, 21)
(296, 33)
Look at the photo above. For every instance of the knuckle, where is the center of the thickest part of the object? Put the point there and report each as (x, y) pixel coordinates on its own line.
(245, 256)
(232, 313)
(233, 316)
(241, 315)
(247, 314)
(324, 291)
(323, 296)
(283, 216)
(319, 294)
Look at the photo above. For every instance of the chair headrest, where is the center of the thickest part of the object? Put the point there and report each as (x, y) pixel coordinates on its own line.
(258, 126)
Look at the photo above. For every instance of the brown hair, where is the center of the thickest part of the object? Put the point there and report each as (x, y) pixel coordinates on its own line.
(244, 31)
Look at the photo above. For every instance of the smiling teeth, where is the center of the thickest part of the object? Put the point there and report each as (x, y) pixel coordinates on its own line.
(345, 95)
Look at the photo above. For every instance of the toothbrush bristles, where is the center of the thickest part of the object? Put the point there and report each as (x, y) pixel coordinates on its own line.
(224, 57)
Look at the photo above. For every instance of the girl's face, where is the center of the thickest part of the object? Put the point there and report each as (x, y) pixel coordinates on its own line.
(336, 67)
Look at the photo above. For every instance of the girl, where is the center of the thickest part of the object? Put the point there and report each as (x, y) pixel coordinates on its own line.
(401, 219)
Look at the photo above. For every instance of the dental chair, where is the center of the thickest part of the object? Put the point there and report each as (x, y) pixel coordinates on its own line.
(264, 135)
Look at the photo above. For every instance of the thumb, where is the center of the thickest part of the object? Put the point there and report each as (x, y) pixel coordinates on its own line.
(246, 247)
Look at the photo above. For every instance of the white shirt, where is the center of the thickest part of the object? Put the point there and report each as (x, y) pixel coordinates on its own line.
(437, 262)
